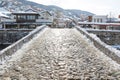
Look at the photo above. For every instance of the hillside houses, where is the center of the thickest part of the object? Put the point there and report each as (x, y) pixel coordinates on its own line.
(5, 15)
(5, 12)
(99, 18)
(26, 18)
(2, 16)
(103, 21)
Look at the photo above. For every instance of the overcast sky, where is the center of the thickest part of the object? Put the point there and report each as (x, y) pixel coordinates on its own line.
(99, 7)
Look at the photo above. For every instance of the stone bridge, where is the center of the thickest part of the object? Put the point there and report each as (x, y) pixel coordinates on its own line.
(60, 54)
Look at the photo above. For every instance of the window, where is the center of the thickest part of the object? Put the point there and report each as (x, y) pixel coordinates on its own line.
(98, 20)
(94, 20)
(30, 17)
(101, 20)
(21, 17)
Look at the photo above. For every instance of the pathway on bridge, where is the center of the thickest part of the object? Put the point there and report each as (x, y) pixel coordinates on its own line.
(59, 54)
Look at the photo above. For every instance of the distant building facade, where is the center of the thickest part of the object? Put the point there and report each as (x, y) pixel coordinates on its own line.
(119, 16)
(99, 18)
(22, 17)
(27, 18)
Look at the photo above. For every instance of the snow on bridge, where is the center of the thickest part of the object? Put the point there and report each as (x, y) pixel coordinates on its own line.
(59, 54)
(102, 30)
(101, 24)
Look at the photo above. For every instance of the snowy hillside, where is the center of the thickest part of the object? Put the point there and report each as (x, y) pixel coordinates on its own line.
(22, 5)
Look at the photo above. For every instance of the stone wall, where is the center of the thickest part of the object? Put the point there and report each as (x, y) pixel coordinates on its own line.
(110, 37)
(7, 37)
(7, 52)
(108, 50)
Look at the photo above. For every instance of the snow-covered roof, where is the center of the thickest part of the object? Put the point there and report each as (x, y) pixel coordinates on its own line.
(99, 15)
(118, 19)
(3, 15)
(2, 10)
(23, 12)
(30, 10)
(45, 12)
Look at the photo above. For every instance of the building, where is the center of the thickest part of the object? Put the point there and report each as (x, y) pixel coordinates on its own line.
(28, 19)
(2, 16)
(89, 18)
(99, 18)
(5, 12)
(45, 15)
(22, 17)
(119, 16)
(5, 15)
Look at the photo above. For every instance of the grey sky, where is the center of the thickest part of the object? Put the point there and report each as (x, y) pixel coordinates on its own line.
(99, 7)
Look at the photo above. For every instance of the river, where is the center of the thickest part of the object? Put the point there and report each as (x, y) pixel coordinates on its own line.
(3, 46)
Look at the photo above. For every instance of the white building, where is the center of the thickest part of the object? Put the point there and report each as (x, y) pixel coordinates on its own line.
(99, 18)
(5, 12)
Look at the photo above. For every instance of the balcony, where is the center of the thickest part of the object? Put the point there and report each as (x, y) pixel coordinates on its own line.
(44, 21)
(8, 20)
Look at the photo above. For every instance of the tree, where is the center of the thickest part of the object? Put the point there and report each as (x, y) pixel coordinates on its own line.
(58, 15)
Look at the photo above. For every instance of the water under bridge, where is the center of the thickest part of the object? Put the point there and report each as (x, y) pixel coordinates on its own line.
(60, 54)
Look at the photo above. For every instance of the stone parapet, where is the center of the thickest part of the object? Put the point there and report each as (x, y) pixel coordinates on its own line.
(7, 52)
(108, 50)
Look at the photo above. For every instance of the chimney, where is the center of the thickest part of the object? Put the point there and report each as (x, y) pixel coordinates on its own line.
(119, 16)
(89, 18)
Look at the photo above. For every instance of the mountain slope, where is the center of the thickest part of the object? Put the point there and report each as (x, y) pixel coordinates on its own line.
(73, 12)
(19, 5)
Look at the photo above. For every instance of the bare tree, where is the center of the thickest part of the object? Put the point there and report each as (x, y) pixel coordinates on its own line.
(58, 15)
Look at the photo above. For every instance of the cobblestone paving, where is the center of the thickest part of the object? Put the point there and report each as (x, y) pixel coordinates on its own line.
(60, 54)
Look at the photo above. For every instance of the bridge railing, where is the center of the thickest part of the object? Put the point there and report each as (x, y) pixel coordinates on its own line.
(106, 49)
(7, 52)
